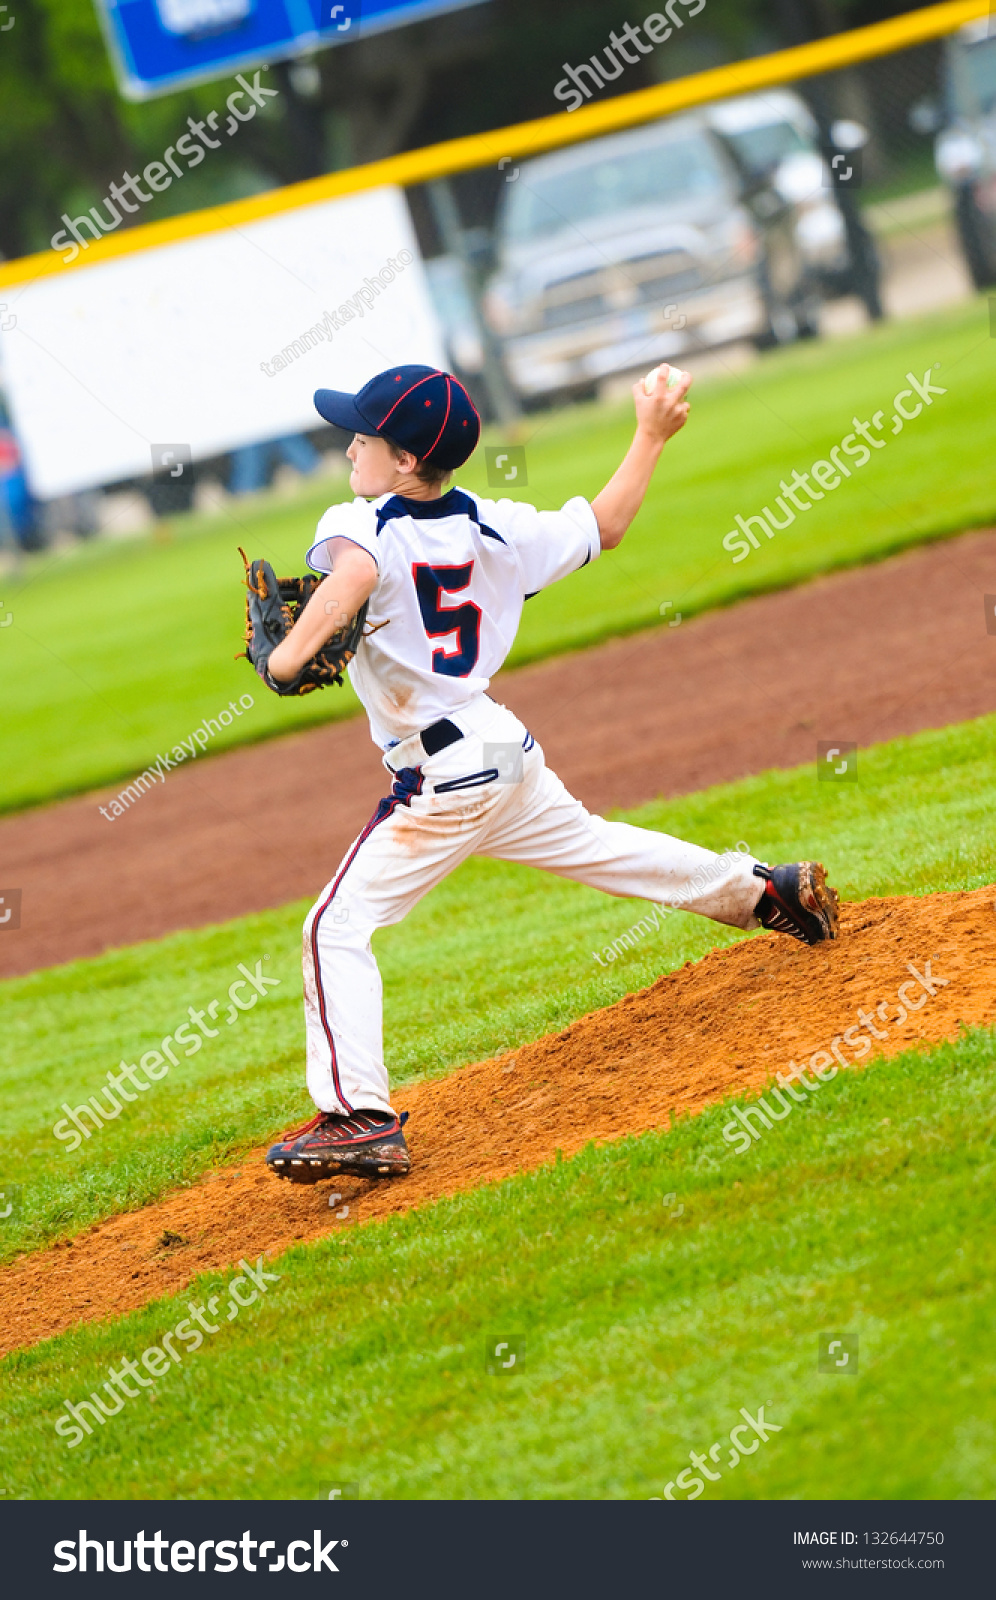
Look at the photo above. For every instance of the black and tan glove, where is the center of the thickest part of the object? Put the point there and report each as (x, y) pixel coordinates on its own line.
(273, 605)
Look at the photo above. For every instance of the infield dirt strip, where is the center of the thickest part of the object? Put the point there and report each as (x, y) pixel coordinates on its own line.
(726, 1023)
(863, 655)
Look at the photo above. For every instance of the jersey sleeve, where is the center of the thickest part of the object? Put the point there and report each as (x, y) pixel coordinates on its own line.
(549, 544)
(354, 520)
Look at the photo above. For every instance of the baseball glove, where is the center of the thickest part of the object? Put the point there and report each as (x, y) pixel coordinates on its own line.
(273, 605)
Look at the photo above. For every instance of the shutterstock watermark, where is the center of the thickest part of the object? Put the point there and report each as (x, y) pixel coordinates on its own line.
(184, 1555)
(845, 170)
(583, 81)
(836, 761)
(162, 764)
(829, 475)
(837, 1353)
(692, 1486)
(821, 1061)
(506, 463)
(10, 908)
(356, 306)
(159, 174)
(170, 461)
(504, 1353)
(73, 1424)
(156, 1063)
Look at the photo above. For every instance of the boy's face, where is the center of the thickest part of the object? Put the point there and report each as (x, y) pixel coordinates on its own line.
(376, 470)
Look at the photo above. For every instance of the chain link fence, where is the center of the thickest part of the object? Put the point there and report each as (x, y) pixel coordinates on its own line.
(859, 194)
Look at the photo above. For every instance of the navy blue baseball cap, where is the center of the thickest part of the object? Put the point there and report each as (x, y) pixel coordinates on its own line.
(422, 409)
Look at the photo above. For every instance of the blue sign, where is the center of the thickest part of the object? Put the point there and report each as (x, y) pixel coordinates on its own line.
(161, 45)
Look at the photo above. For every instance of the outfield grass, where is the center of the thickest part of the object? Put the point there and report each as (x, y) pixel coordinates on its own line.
(116, 652)
(641, 1334)
(496, 956)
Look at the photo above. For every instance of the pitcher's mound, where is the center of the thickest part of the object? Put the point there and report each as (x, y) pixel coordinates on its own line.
(903, 971)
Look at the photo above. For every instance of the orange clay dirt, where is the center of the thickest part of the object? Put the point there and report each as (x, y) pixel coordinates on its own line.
(726, 1023)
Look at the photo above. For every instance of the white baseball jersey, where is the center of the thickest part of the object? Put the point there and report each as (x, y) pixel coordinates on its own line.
(453, 574)
(452, 577)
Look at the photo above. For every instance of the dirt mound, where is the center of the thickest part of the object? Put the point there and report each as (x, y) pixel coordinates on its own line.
(728, 1022)
(663, 713)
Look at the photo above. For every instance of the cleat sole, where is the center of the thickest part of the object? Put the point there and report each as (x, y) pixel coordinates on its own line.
(825, 901)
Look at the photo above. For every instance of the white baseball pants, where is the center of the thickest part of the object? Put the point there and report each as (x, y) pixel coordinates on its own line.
(418, 835)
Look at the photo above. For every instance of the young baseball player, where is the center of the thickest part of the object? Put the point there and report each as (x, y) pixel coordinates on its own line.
(446, 575)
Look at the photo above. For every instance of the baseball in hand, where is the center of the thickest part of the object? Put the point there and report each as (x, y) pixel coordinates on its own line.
(674, 377)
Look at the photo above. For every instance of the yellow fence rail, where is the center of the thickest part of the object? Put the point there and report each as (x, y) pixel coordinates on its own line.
(527, 138)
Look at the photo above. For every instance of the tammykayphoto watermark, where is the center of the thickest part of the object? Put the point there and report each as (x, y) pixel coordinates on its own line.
(700, 880)
(158, 769)
(692, 1486)
(829, 475)
(160, 1358)
(663, 609)
(159, 174)
(504, 1353)
(836, 761)
(837, 1353)
(332, 321)
(673, 1211)
(10, 909)
(156, 1063)
(11, 1201)
(631, 938)
(821, 1061)
(583, 81)
(334, 1489)
(8, 21)
(506, 463)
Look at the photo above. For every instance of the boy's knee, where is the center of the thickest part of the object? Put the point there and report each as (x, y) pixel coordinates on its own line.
(334, 922)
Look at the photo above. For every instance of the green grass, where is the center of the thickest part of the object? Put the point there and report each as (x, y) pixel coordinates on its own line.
(117, 651)
(644, 1334)
(497, 955)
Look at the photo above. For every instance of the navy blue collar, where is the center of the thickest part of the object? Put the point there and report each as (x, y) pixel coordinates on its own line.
(453, 503)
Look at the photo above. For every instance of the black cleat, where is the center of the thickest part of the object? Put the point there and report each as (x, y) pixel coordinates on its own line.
(370, 1144)
(797, 900)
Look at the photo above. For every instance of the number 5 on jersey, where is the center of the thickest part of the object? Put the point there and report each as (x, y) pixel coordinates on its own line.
(439, 620)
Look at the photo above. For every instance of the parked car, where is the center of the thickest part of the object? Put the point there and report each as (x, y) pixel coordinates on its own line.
(965, 148)
(621, 253)
(774, 141)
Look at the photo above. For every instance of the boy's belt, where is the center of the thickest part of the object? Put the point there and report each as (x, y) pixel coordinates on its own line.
(439, 736)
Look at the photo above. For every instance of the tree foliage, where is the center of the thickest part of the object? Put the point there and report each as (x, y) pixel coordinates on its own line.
(66, 133)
